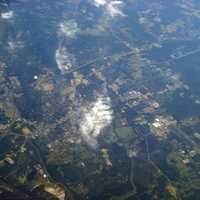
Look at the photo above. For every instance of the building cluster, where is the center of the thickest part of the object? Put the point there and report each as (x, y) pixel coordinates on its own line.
(161, 126)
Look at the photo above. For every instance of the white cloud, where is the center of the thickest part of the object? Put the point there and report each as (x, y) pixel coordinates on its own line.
(64, 60)
(15, 45)
(68, 29)
(96, 117)
(100, 2)
(7, 15)
(112, 8)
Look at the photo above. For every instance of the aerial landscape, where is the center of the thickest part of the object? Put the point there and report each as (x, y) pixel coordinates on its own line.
(99, 100)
